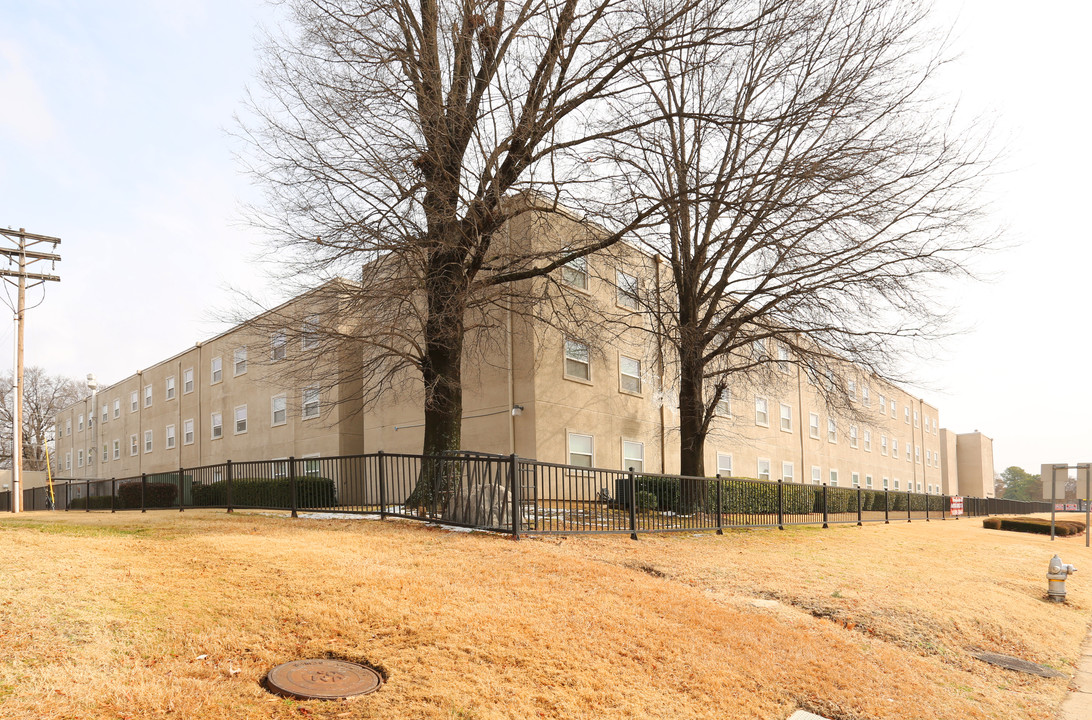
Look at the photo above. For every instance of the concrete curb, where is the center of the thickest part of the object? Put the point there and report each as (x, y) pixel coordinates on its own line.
(1078, 704)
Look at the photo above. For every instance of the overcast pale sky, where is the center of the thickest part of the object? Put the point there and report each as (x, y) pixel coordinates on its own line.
(113, 137)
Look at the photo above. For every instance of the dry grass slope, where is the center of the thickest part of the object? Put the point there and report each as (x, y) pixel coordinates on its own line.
(162, 615)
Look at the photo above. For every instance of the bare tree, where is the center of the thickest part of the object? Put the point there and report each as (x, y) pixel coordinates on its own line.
(812, 193)
(403, 137)
(44, 396)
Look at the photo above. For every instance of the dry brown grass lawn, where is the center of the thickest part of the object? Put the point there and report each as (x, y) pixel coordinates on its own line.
(169, 615)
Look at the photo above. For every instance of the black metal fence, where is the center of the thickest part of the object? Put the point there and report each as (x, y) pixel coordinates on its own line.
(505, 493)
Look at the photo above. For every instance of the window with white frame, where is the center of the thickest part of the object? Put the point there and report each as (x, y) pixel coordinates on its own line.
(886, 483)
(629, 374)
(105, 452)
(79, 458)
(279, 408)
(883, 445)
(868, 441)
(868, 482)
(763, 469)
(309, 337)
(915, 418)
(724, 464)
(580, 450)
(311, 466)
(134, 401)
(895, 448)
(724, 405)
(787, 472)
(786, 418)
(762, 411)
(883, 404)
(893, 408)
(919, 487)
(90, 456)
(633, 456)
(575, 273)
(909, 455)
(929, 488)
(79, 423)
(187, 432)
(217, 423)
(832, 431)
(216, 370)
(105, 412)
(851, 390)
(864, 395)
(758, 350)
(187, 381)
(816, 475)
(239, 358)
(117, 449)
(134, 445)
(577, 360)
(280, 468)
(68, 460)
(170, 387)
(895, 484)
(147, 396)
(147, 441)
(906, 414)
(627, 290)
(917, 454)
(855, 479)
(278, 346)
(217, 475)
(117, 408)
(170, 436)
(813, 425)
(834, 478)
(783, 359)
(240, 419)
(853, 436)
(310, 403)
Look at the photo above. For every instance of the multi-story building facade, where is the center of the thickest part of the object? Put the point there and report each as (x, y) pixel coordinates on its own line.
(584, 396)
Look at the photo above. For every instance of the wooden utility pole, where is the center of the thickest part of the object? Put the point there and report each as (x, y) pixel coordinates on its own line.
(23, 241)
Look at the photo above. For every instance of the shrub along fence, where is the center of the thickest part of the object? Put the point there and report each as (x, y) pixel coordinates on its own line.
(507, 494)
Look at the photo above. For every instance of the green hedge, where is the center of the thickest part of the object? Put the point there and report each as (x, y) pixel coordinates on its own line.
(1034, 525)
(97, 502)
(156, 495)
(311, 492)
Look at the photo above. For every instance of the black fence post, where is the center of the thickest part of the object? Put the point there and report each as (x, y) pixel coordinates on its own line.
(632, 505)
(228, 478)
(927, 499)
(180, 475)
(886, 506)
(781, 503)
(858, 506)
(825, 506)
(113, 494)
(943, 498)
(292, 485)
(720, 515)
(513, 483)
(87, 498)
(143, 492)
(67, 494)
(382, 487)
(909, 503)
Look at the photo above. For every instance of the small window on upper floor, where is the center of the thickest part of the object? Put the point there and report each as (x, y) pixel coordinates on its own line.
(577, 360)
(134, 401)
(627, 290)
(278, 346)
(853, 436)
(117, 407)
(906, 414)
(783, 363)
(762, 411)
(309, 337)
(813, 425)
(832, 430)
(187, 381)
(217, 371)
(310, 403)
(79, 425)
(280, 410)
(240, 360)
(575, 273)
(864, 395)
(629, 371)
(147, 396)
(105, 412)
(170, 387)
(786, 417)
(724, 405)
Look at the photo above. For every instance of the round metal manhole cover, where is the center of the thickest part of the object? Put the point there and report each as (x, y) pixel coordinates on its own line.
(323, 679)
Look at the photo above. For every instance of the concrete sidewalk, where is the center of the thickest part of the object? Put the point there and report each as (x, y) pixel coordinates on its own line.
(1078, 704)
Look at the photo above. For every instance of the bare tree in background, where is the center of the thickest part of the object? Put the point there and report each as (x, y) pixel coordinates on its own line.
(402, 137)
(44, 396)
(812, 193)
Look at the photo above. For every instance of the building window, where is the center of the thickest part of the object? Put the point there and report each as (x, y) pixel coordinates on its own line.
(834, 478)
(783, 358)
(147, 396)
(187, 381)
(763, 469)
(105, 412)
(886, 483)
(79, 423)
(280, 468)
(762, 411)
(170, 387)
(280, 410)
(627, 290)
(105, 453)
(868, 441)
(915, 418)
(217, 426)
(309, 337)
(68, 459)
(577, 360)
(929, 488)
(134, 446)
(240, 419)
(896, 484)
(187, 432)
(629, 374)
(864, 395)
(117, 408)
(240, 360)
(851, 390)
(79, 458)
(855, 479)
(832, 431)
(217, 371)
(787, 470)
(883, 445)
(816, 475)
(117, 449)
(575, 273)
(133, 401)
(170, 436)
(310, 403)
(786, 418)
(908, 455)
(853, 436)
(758, 350)
(906, 414)
(633, 456)
(278, 346)
(893, 409)
(147, 441)
(919, 487)
(311, 466)
(580, 450)
(895, 448)
(724, 464)
(883, 404)
(868, 482)
(917, 454)
(813, 425)
(724, 405)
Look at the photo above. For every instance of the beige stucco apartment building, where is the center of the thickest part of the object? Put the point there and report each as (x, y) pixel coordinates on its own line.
(597, 398)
